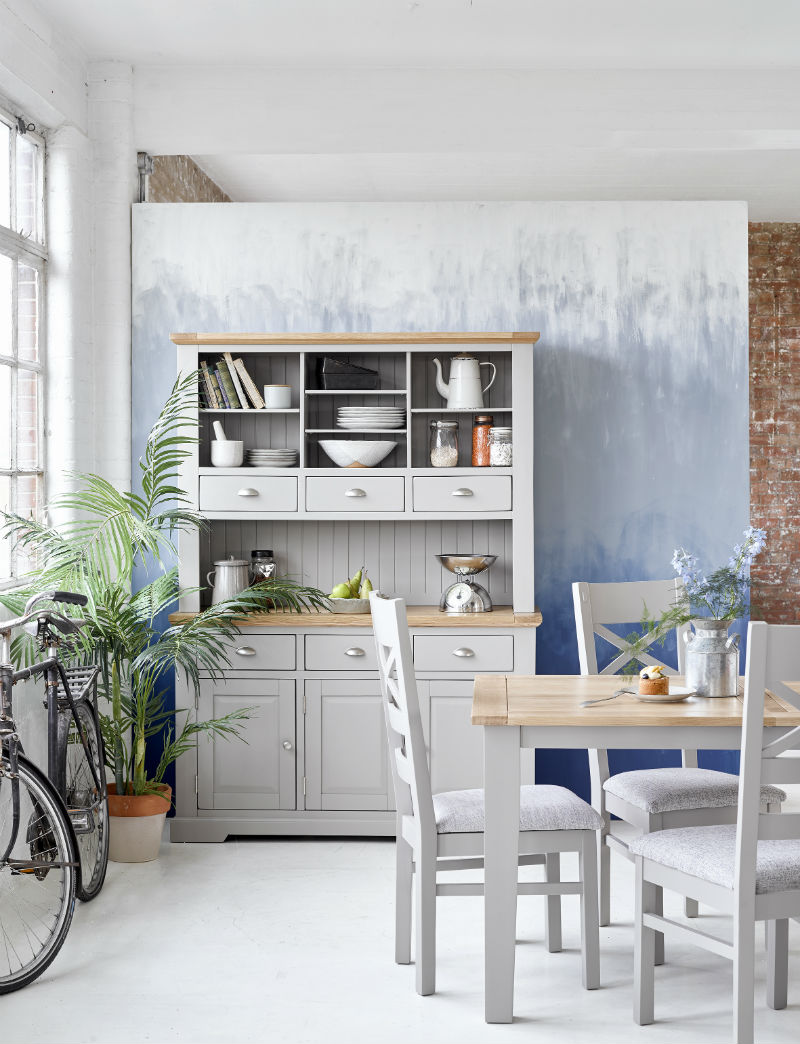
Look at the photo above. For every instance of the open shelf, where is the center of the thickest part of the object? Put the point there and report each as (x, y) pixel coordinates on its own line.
(253, 411)
(446, 409)
(357, 391)
(355, 431)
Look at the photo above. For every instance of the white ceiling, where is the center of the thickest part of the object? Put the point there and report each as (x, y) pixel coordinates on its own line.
(465, 99)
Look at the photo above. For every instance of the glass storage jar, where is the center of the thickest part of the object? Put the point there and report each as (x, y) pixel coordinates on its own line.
(480, 440)
(262, 566)
(444, 444)
(501, 448)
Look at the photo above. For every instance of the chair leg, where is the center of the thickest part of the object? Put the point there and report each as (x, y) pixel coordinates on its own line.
(777, 963)
(604, 873)
(659, 909)
(553, 924)
(425, 922)
(590, 920)
(403, 898)
(644, 950)
(690, 907)
(743, 974)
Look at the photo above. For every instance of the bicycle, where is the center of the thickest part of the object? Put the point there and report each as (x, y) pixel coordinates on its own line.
(53, 826)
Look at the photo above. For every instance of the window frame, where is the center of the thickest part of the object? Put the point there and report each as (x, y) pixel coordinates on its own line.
(24, 249)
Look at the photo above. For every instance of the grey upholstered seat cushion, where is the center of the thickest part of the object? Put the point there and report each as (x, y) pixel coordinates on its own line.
(671, 789)
(542, 807)
(710, 854)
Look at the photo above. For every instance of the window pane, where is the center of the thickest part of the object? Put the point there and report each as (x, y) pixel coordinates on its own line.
(28, 188)
(27, 419)
(5, 174)
(6, 282)
(28, 497)
(27, 313)
(5, 416)
(5, 544)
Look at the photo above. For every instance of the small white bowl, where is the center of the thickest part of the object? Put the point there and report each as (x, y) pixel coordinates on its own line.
(349, 605)
(356, 454)
(227, 454)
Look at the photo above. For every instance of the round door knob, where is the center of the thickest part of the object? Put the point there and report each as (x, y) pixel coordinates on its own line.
(463, 652)
(355, 492)
(247, 491)
(354, 651)
(246, 650)
(463, 491)
(288, 745)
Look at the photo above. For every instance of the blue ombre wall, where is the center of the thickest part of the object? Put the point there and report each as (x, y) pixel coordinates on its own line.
(641, 378)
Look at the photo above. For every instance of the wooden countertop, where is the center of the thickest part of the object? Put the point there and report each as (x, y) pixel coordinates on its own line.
(554, 699)
(346, 339)
(503, 616)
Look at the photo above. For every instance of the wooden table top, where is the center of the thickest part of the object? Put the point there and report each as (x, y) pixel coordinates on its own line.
(503, 616)
(554, 700)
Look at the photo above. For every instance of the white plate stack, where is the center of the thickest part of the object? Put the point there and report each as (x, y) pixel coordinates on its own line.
(271, 458)
(370, 417)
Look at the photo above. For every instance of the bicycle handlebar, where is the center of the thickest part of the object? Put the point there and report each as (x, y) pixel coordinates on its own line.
(69, 597)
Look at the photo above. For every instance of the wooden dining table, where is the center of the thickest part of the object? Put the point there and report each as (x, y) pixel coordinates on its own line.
(530, 711)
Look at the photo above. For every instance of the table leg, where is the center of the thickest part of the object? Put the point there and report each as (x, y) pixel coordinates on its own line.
(501, 746)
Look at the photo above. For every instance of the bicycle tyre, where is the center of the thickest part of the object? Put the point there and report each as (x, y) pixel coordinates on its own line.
(82, 799)
(48, 893)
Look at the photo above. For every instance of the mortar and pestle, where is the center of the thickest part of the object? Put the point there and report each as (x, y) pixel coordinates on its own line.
(225, 452)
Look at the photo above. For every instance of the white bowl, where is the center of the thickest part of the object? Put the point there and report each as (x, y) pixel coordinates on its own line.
(227, 454)
(349, 605)
(356, 454)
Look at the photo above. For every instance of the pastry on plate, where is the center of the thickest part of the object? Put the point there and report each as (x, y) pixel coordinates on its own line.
(653, 681)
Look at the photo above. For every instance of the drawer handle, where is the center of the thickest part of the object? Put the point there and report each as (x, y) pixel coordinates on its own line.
(247, 491)
(463, 652)
(462, 491)
(246, 650)
(288, 745)
(354, 651)
(355, 492)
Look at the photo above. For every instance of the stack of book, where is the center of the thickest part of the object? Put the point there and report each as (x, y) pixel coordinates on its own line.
(226, 385)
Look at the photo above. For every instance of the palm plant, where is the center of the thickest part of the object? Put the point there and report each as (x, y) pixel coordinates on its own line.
(110, 535)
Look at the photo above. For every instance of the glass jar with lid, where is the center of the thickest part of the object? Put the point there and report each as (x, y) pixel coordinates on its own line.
(262, 566)
(481, 426)
(444, 444)
(501, 448)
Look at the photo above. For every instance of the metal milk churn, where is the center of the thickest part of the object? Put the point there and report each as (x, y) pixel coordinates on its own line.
(712, 658)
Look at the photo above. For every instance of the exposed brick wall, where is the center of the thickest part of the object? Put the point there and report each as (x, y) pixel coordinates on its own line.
(775, 417)
(178, 179)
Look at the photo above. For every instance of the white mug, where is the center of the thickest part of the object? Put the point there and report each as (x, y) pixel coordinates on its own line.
(277, 396)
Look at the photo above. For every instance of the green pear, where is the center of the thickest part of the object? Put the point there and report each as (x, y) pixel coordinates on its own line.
(341, 591)
(355, 583)
(366, 587)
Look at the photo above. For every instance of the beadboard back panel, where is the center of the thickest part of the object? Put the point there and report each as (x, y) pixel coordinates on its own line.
(399, 555)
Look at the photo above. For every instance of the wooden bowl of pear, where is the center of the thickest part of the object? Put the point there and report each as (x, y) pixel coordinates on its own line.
(349, 605)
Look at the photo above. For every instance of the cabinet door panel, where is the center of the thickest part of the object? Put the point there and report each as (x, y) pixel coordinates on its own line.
(346, 753)
(455, 744)
(262, 772)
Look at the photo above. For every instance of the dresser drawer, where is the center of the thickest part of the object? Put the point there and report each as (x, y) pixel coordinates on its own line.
(248, 493)
(263, 652)
(464, 652)
(462, 493)
(341, 652)
(355, 493)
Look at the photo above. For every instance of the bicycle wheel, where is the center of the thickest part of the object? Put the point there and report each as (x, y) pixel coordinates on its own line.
(38, 879)
(87, 806)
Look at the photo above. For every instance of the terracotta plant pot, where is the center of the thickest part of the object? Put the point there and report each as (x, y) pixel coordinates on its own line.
(137, 824)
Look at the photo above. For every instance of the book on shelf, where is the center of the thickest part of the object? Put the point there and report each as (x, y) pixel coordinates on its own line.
(249, 384)
(217, 390)
(223, 373)
(222, 390)
(208, 385)
(237, 384)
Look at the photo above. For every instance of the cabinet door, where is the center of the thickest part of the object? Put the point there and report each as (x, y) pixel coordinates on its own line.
(262, 772)
(455, 745)
(347, 764)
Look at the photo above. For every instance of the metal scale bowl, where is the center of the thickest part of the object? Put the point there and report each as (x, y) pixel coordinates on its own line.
(465, 596)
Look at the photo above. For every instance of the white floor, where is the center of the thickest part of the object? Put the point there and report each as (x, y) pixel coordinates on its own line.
(290, 941)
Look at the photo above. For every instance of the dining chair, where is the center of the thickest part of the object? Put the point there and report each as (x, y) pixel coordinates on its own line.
(648, 799)
(750, 869)
(437, 832)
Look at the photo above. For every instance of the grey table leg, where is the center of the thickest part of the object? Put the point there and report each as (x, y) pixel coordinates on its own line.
(501, 744)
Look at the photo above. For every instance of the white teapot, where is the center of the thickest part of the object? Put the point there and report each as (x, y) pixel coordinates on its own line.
(464, 391)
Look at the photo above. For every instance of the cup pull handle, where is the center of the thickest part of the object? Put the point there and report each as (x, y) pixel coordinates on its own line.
(355, 492)
(463, 652)
(247, 491)
(354, 651)
(246, 650)
(462, 491)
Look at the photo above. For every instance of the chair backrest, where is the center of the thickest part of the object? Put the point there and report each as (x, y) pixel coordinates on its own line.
(412, 781)
(772, 650)
(597, 605)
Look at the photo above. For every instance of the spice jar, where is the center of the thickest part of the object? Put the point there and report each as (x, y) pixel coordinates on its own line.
(262, 566)
(444, 444)
(500, 448)
(481, 426)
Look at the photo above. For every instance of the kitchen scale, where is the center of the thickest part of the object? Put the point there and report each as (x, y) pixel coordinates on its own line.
(465, 596)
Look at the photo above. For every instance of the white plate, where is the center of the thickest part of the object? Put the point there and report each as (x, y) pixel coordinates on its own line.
(676, 694)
